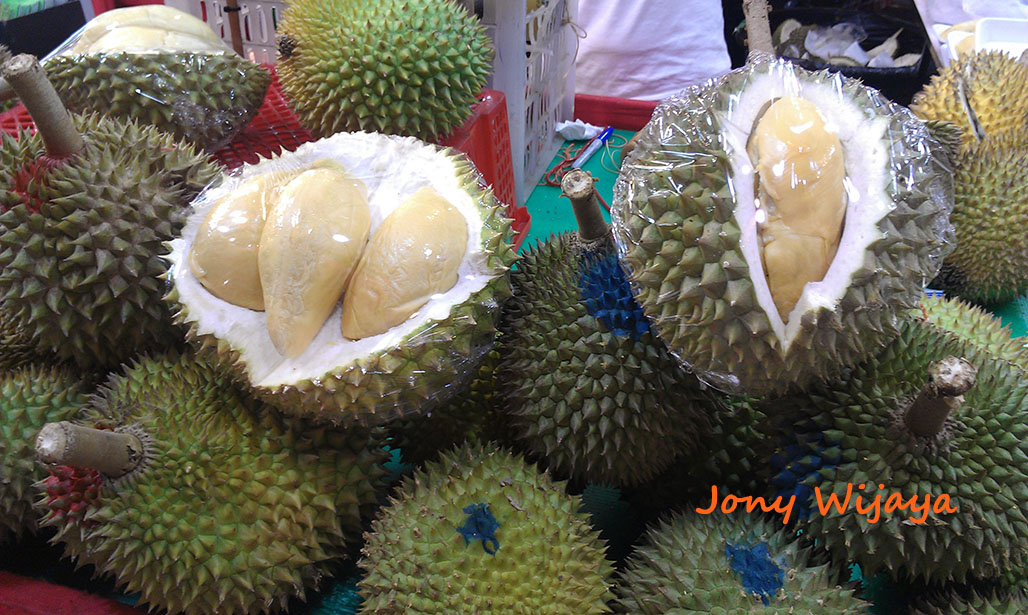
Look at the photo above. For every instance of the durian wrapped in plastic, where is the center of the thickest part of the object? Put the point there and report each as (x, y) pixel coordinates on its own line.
(355, 279)
(159, 66)
(774, 221)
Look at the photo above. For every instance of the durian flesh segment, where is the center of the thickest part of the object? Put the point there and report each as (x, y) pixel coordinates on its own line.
(801, 173)
(151, 17)
(414, 254)
(310, 244)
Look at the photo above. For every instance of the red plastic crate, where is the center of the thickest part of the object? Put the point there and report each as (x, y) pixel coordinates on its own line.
(484, 137)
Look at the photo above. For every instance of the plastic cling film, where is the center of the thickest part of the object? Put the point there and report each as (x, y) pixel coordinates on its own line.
(716, 218)
(159, 66)
(405, 370)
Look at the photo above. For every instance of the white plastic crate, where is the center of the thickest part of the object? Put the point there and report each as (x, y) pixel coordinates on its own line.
(257, 24)
(534, 66)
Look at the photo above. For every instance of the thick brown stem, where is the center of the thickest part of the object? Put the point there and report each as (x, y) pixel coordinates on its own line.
(578, 186)
(52, 120)
(232, 10)
(111, 453)
(6, 91)
(758, 26)
(948, 380)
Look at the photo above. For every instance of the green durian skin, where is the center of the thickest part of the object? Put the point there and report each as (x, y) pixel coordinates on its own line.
(596, 405)
(410, 378)
(990, 262)
(82, 274)
(408, 67)
(989, 602)
(233, 510)
(683, 568)
(548, 559)
(203, 99)
(30, 397)
(980, 459)
(674, 220)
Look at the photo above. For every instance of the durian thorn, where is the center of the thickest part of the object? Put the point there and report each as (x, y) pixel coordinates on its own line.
(27, 77)
(113, 454)
(948, 380)
(758, 27)
(579, 187)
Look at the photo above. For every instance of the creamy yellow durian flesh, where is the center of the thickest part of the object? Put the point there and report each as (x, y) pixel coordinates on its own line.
(775, 222)
(380, 373)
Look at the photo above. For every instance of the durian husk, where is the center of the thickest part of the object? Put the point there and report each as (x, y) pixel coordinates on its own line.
(979, 459)
(232, 509)
(972, 602)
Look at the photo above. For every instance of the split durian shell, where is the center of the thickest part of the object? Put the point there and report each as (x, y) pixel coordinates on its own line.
(401, 372)
(687, 230)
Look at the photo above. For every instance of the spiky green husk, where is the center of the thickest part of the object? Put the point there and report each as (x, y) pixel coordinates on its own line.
(597, 405)
(474, 414)
(683, 568)
(30, 397)
(82, 275)
(979, 460)
(232, 509)
(202, 99)
(972, 603)
(408, 67)
(996, 87)
(16, 346)
(990, 181)
(412, 376)
(673, 216)
(547, 561)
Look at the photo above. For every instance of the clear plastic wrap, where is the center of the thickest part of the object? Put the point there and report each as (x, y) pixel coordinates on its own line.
(412, 366)
(159, 66)
(691, 214)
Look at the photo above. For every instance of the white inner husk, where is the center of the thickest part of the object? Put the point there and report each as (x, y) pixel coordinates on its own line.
(392, 168)
(867, 163)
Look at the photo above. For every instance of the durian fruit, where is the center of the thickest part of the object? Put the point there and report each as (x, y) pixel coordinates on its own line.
(774, 222)
(585, 382)
(480, 531)
(988, 602)
(985, 93)
(209, 502)
(410, 366)
(30, 397)
(85, 206)
(990, 180)
(163, 67)
(408, 67)
(940, 464)
(730, 563)
(16, 345)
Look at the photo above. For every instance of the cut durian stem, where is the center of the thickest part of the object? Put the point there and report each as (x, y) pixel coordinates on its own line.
(580, 189)
(758, 26)
(943, 394)
(26, 76)
(111, 453)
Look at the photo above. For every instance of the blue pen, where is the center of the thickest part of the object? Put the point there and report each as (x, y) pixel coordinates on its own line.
(591, 149)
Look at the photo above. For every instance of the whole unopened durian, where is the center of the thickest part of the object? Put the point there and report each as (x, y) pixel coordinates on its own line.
(728, 563)
(988, 602)
(86, 205)
(209, 503)
(774, 222)
(405, 67)
(985, 93)
(480, 531)
(932, 435)
(30, 397)
(159, 66)
(586, 383)
(16, 345)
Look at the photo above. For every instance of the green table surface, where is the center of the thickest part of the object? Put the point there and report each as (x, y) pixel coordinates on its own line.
(552, 213)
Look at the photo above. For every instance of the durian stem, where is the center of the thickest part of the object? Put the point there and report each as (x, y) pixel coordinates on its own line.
(111, 453)
(758, 26)
(943, 394)
(6, 91)
(578, 186)
(52, 120)
(232, 10)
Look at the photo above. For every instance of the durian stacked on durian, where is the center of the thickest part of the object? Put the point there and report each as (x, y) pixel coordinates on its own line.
(162, 67)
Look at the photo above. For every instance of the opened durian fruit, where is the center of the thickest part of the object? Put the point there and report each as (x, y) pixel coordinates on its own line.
(160, 66)
(357, 279)
(774, 221)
